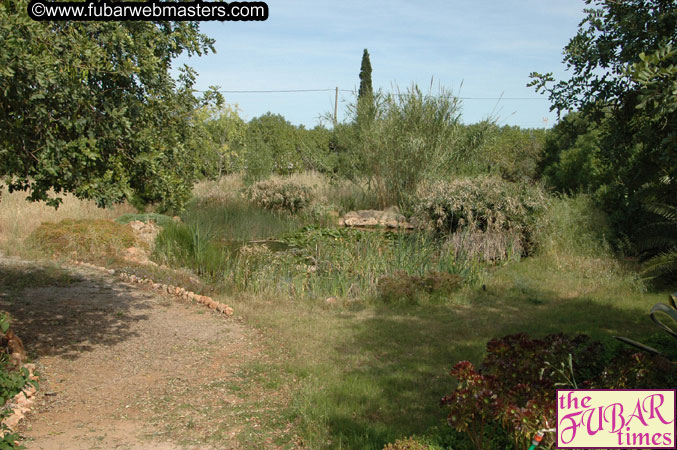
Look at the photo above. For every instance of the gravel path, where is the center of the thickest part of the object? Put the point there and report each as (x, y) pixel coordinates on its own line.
(116, 362)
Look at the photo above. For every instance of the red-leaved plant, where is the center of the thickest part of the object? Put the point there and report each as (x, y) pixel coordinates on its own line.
(515, 387)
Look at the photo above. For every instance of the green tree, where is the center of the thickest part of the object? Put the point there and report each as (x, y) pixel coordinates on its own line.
(571, 161)
(628, 96)
(272, 147)
(366, 89)
(90, 108)
(365, 95)
(223, 135)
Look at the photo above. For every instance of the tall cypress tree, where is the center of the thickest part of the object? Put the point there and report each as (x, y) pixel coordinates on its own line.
(365, 96)
(366, 89)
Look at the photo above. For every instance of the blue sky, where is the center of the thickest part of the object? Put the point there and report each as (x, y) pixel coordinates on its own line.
(484, 48)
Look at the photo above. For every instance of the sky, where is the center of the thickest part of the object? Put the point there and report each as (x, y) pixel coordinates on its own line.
(480, 50)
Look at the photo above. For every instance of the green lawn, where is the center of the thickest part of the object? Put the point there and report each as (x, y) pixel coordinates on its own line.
(367, 374)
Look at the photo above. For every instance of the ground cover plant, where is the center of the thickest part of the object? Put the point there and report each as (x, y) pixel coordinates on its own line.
(83, 238)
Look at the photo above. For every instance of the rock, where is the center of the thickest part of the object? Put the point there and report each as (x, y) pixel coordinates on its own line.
(136, 255)
(145, 231)
(370, 218)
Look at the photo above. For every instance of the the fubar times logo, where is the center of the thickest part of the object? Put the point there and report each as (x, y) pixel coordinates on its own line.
(630, 419)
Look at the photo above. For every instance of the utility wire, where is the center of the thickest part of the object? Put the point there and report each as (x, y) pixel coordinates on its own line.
(285, 91)
(272, 91)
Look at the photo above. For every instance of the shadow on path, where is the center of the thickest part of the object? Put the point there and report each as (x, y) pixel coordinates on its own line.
(56, 312)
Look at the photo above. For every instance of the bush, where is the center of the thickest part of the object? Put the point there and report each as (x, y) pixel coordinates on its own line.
(512, 152)
(410, 443)
(272, 147)
(515, 387)
(86, 238)
(286, 196)
(401, 287)
(486, 205)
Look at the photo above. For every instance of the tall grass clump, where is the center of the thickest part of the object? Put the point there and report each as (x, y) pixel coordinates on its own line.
(190, 246)
(238, 220)
(409, 137)
(573, 226)
(573, 235)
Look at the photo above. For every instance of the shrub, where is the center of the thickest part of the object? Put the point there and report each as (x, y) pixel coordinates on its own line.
(410, 443)
(512, 152)
(485, 204)
(84, 238)
(272, 146)
(286, 196)
(401, 287)
(515, 387)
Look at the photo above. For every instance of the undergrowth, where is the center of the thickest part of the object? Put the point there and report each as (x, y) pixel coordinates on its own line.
(317, 262)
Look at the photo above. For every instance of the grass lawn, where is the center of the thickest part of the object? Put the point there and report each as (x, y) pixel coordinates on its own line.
(367, 374)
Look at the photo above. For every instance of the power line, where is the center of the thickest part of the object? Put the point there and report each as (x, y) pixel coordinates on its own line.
(285, 91)
(271, 91)
(469, 98)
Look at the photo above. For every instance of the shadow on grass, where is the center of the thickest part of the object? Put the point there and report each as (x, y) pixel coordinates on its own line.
(56, 313)
(405, 356)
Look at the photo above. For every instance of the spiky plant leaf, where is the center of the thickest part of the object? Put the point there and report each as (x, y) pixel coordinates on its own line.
(667, 310)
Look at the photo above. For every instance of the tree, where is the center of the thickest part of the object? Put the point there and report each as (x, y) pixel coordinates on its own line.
(90, 108)
(365, 95)
(366, 89)
(628, 96)
(272, 147)
(223, 134)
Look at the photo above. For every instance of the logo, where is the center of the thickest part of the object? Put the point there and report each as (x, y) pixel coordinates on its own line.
(631, 419)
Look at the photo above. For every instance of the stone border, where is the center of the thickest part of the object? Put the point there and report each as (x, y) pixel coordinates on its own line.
(163, 288)
(22, 402)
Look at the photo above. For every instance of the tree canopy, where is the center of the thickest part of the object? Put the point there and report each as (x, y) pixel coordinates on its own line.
(623, 81)
(90, 108)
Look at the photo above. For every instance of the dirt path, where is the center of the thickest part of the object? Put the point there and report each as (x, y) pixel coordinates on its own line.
(121, 367)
